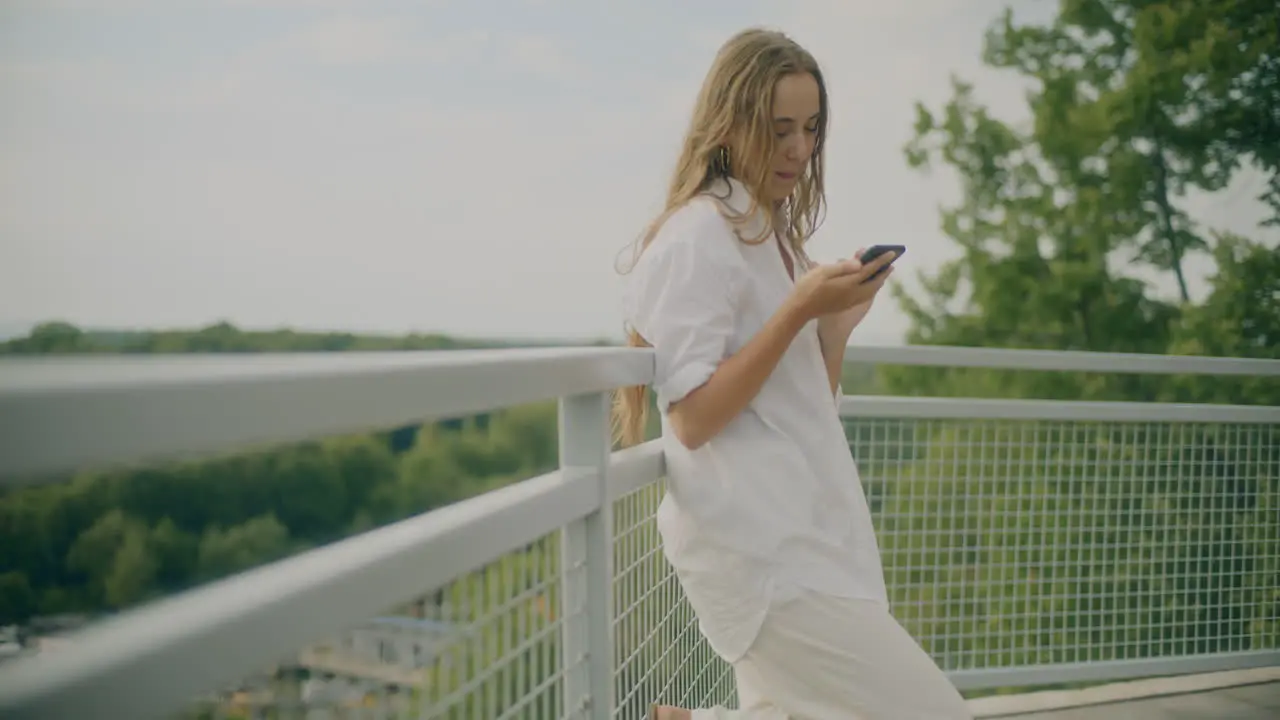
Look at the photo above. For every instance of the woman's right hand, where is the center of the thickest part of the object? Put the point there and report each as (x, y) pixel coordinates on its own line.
(839, 286)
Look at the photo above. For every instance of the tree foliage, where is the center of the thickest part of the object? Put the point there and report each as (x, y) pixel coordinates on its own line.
(58, 337)
(1132, 104)
(107, 540)
(1055, 542)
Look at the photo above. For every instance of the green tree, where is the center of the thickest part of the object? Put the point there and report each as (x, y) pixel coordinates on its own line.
(94, 552)
(26, 534)
(256, 541)
(1082, 541)
(17, 599)
(1241, 315)
(1239, 318)
(115, 559)
(1132, 103)
(1034, 266)
(55, 337)
(364, 465)
(133, 570)
(1227, 53)
(175, 554)
(309, 494)
(1150, 98)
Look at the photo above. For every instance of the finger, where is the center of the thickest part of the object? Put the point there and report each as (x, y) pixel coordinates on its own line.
(841, 267)
(878, 263)
(878, 281)
(864, 279)
(854, 283)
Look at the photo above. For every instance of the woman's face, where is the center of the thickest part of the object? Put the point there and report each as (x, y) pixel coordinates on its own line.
(796, 106)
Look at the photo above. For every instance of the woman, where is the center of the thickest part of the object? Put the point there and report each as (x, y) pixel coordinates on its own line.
(764, 521)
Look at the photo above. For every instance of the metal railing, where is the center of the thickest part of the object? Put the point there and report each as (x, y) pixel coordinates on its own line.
(1024, 541)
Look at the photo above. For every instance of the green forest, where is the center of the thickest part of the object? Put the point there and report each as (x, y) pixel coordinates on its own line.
(105, 540)
(1134, 105)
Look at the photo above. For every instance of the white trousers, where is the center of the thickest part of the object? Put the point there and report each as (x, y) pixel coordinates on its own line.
(826, 658)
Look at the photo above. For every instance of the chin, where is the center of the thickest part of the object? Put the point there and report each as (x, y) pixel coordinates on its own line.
(779, 192)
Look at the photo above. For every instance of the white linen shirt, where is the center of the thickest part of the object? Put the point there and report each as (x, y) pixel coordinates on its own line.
(772, 505)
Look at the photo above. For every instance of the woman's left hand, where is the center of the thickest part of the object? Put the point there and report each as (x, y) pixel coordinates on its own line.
(837, 327)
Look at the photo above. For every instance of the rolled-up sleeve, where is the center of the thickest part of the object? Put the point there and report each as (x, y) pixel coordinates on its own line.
(682, 300)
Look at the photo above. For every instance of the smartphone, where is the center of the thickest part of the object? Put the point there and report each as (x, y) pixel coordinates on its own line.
(876, 251)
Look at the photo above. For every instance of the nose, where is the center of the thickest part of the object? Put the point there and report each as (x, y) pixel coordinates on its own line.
(795, 147)
(792, 149)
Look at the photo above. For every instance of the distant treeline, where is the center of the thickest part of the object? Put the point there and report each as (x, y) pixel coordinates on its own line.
(106, 540)
(62, 337)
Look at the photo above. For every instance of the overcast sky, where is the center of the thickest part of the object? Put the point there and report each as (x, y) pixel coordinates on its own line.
(469, 167)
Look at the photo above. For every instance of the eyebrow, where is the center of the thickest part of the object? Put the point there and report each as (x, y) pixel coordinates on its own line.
(787, 119)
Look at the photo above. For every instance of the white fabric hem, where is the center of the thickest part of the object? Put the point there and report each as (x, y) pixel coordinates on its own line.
(686, 380)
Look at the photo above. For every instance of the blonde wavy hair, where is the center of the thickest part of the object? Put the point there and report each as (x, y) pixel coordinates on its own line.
(731, 134)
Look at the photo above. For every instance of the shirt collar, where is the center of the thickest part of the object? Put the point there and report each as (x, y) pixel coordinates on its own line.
(736, 196)
(733, 193)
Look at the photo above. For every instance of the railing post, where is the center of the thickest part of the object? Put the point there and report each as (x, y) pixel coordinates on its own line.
(587, 564)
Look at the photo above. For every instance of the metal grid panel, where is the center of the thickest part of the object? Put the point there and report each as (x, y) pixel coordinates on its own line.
(1010, 547)
(1027, 544)
(661, 656)
(489, 644)
(485, 646)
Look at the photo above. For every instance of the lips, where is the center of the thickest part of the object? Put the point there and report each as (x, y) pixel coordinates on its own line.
(786, 175)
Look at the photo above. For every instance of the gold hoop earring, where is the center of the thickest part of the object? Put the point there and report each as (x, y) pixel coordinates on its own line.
(721, 162)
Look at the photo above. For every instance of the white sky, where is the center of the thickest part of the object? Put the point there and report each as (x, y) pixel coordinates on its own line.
(467, 167)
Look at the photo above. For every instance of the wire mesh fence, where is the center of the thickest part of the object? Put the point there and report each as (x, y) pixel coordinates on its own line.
(1016, 545)
(1006, 545)
(487, 645)
(660, 656)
